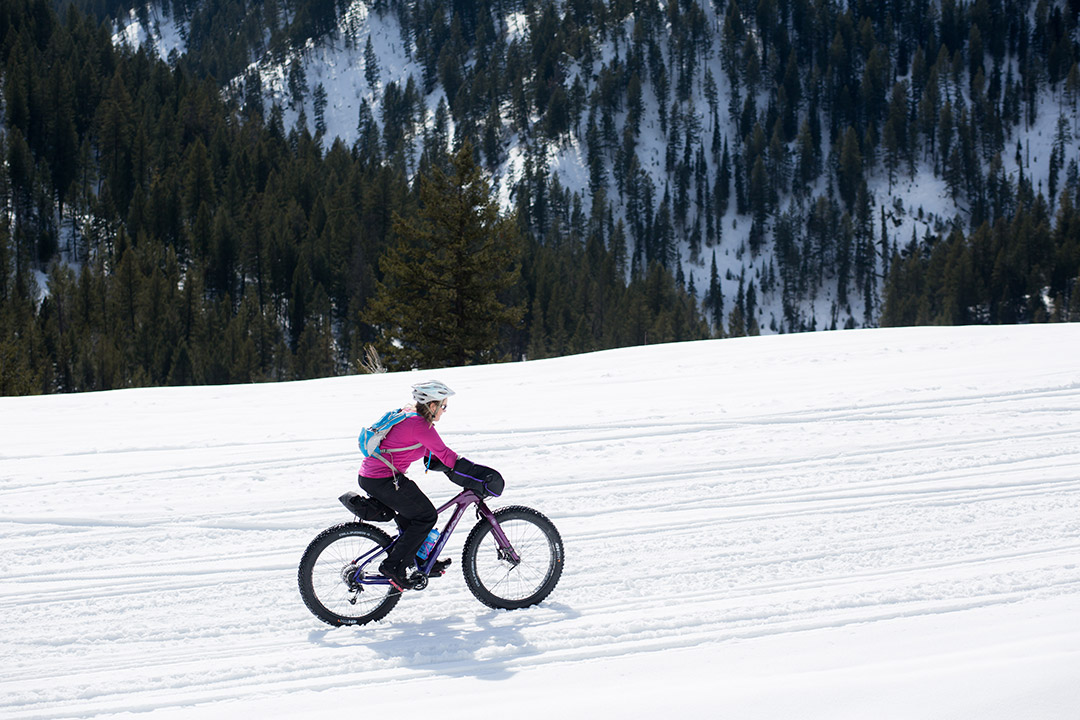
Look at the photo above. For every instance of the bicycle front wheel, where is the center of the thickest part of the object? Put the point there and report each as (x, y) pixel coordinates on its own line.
(498, 582)
(329, 580)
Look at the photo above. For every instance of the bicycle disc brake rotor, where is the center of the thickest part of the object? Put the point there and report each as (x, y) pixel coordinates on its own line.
(506, 557)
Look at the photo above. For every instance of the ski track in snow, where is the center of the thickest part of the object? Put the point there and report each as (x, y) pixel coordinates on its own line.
(138, 577)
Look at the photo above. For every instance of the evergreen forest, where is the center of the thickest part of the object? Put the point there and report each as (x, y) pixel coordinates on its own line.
(162, 222)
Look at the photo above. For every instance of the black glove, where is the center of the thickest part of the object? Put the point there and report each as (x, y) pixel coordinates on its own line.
(481, 479)
(433, 463)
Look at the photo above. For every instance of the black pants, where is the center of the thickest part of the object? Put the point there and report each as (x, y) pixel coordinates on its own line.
(415, 515)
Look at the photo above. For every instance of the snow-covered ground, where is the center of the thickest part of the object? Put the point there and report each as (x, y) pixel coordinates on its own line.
(864, 524)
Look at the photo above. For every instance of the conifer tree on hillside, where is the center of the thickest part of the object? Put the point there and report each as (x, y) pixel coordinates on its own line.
(443, 299)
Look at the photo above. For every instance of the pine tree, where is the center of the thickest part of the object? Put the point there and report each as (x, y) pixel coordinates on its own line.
(751, 311)
(737, 319)
(714, 298)
(297, 82)
(850, 170)
(117, 131)
(367, 140)
(758, 194)
(723, 185)
(445, 296)
(319, 103)
(371, 65)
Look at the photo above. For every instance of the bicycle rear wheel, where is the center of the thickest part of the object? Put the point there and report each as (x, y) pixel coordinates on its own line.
(328, 576)
(494, 579)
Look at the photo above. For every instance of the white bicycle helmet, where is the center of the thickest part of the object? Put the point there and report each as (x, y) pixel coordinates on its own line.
(430, 391)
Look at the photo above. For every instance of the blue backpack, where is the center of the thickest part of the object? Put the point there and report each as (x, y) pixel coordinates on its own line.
(371, 437)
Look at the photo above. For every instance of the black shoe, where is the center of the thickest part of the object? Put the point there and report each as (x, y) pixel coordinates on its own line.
(398, 578)
(437, 569)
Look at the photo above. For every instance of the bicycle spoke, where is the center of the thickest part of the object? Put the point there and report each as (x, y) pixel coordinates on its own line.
(500, 583)
(328, 576)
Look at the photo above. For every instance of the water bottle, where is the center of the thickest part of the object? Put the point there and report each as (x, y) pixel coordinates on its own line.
(429, 543)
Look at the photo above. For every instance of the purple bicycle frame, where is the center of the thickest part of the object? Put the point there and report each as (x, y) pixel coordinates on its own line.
(462, 501)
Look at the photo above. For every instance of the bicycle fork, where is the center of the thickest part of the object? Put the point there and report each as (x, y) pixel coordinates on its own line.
(506, 550)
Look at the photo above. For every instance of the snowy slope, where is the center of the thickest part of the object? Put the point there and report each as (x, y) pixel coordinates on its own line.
(917, 203)
(875, 523)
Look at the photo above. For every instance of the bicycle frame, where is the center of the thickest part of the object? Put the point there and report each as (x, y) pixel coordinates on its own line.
(460, 503)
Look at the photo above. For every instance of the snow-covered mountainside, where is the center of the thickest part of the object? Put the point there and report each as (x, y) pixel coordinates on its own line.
(916, 202)
(874, 523)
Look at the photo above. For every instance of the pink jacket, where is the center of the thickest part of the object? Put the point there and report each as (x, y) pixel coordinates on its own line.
(410, 431)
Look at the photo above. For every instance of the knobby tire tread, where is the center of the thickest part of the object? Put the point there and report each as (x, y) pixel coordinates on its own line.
(472, 549)
(311, 555)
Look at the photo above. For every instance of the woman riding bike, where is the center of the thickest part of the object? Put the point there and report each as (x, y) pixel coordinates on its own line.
(383, 478)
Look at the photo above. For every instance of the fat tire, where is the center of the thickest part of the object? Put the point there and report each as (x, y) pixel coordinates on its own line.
(507, 587)
(353, 539)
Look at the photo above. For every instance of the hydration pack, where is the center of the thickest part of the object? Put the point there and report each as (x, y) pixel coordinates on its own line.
(372, 436)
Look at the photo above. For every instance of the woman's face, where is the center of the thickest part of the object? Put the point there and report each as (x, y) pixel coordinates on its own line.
(437, 410)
